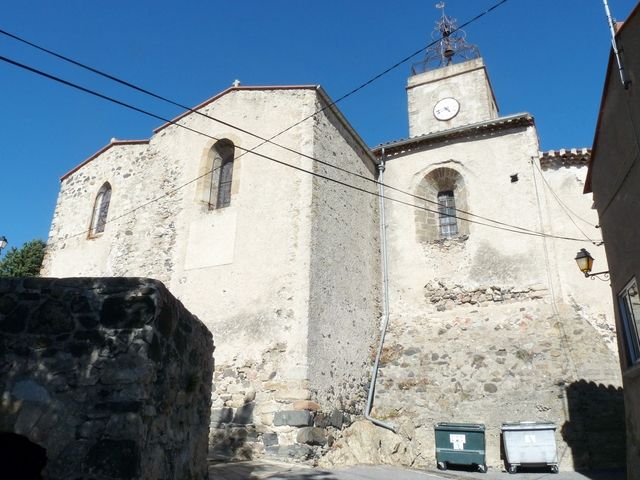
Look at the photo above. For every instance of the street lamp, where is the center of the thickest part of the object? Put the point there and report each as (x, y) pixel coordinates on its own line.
(3, 242)
(585, 263)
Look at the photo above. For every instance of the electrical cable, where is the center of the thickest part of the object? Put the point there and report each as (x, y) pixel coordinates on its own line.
(172, 102)
(172, 122)
(588, 222)
(387, 70)
(564, 338)
(563, 207)
(331, 104)
(153, 200)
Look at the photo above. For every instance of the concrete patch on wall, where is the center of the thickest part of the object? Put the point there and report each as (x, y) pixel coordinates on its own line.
(514, 269)
(211, 240)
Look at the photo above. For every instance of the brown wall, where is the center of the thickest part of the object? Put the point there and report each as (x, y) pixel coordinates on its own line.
(615, 181)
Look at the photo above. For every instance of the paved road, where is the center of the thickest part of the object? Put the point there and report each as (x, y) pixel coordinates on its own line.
(258, 470)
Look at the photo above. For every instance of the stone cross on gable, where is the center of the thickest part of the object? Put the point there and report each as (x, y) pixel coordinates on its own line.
(236, 83)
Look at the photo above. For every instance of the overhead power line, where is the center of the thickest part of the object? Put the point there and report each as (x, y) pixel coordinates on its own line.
(295, 167)
(331, 104)
(173, 102)
(385, 71)
(563, 206)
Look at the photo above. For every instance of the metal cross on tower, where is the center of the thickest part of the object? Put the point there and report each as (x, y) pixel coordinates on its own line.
(450, 45)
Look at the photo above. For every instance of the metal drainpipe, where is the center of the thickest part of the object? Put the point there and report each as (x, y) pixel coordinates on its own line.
(614, 44)
(385, 301)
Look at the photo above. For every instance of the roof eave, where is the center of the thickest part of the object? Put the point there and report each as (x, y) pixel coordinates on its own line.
(229, 90)
(507, 122)
(330, 105)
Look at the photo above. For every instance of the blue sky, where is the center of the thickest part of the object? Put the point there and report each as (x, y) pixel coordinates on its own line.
(546, 57)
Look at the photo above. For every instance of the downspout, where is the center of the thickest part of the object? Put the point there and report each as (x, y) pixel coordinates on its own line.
(385, 301)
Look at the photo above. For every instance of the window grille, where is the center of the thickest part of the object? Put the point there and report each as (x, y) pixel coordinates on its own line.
(100, 210)
(629, 304)
(224, 187)
(447, 214)
(221, 175)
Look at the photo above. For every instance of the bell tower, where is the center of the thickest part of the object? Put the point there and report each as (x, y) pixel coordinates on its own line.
(450, 88)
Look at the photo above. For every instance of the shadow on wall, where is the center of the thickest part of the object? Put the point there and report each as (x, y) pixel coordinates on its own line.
(21, 458)
(231, 432)
(595, 431)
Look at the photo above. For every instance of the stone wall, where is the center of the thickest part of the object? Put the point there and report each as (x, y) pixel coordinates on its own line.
(136, 241)
(493, 361)
(111, 376)
(288, 272)
(446, 297)
(495, 325)
(257, 407)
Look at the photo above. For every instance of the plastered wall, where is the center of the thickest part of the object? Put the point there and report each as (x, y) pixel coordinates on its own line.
(288, 273)
(466, 82)
(492, 326)
(344, 271)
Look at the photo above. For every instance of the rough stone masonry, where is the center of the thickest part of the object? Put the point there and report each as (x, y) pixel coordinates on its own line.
(111, 376)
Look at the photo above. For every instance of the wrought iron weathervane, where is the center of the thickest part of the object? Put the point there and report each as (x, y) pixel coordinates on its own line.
(450, 45)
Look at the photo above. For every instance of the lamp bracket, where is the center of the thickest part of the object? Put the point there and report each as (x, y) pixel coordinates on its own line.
(605, 275)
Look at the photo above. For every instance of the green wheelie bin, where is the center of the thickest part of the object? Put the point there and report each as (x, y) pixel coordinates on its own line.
(460, 444)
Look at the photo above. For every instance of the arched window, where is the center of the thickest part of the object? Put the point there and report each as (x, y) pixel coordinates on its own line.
(218, 193)
(100, 210)
(444, 194)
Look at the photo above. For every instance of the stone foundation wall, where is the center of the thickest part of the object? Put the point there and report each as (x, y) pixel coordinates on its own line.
(491, 355)
(111, 376)
(255, 412)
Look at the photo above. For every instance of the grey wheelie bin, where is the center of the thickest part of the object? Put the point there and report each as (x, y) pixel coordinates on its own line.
(460, 444)
(530, 444)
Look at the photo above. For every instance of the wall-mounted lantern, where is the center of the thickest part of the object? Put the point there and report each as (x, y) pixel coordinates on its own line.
(585, 263)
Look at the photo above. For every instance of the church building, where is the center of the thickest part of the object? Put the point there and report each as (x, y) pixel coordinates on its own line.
(443, 263)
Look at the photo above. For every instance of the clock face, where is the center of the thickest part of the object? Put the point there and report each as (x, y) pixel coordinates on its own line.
(446, 109)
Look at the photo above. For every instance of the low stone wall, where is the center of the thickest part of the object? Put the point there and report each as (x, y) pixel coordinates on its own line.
(112, 376)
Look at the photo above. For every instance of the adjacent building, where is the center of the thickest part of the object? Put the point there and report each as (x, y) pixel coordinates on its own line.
(614, 176)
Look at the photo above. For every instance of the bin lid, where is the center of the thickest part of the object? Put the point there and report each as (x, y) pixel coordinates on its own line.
(459, 426)
(528, 426)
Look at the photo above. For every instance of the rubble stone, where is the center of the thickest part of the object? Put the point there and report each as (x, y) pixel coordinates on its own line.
(113, 377)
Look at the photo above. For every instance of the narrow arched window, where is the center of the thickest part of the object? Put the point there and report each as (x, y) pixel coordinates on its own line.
(221, 175)
(441, 195)
(448, 222)
(100, 210)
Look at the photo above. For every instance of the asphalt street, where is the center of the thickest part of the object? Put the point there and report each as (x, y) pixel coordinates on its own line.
(255, 470)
